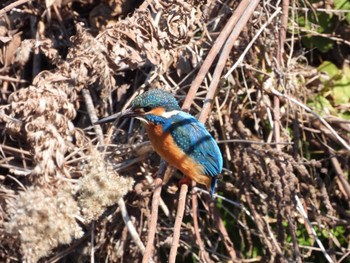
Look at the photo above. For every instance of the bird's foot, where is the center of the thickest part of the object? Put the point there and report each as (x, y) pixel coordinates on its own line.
(185, 180)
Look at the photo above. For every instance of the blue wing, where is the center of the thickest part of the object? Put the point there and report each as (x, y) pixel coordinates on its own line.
(191, 136)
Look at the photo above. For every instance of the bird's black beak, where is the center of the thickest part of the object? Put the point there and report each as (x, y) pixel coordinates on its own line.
(123, 114)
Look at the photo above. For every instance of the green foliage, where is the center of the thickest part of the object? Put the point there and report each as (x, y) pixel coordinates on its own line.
(343, 5)
(341, 88)
(313, 23)
(335, 90)
(319, 22)
(321, 105)
(338, 234)
(338, 82)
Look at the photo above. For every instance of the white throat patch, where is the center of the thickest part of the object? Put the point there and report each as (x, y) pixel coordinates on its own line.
(169, 114)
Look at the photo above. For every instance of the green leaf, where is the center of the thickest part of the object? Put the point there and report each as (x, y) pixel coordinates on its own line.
(341, 86)
(302, 22)
(325, 22)
(345, 116)
(325, 233)
(321, 105)
(341, 92)
(329, 68)
(321, 43)
(343, 5)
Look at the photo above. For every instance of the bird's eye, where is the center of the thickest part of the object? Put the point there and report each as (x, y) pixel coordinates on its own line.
(147, 109)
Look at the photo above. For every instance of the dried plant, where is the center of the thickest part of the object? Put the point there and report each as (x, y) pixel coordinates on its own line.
(57, 77)
(42, 220)
(100, 187)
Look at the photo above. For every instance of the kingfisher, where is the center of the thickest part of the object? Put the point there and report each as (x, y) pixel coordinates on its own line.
(178, 137)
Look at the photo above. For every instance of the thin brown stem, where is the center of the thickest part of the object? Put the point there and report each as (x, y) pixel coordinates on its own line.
(164, 172)
(280, 52)
(153, 221)
(11, 6)
(282, 32)
(99, 134)
(340, 175)
(235, 25)
(225, 32)
(222, 229)
(244, 16)
(203, 255)
(178, 222)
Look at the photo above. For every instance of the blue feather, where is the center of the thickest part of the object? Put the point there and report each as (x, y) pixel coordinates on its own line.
(194, 139)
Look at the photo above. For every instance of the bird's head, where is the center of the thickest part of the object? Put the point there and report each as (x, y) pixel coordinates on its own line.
(155, 99)
(148, 107)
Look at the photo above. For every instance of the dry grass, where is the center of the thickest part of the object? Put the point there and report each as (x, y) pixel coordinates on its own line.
(64, 182)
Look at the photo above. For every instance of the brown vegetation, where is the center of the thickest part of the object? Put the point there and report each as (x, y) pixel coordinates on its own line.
(70, 189)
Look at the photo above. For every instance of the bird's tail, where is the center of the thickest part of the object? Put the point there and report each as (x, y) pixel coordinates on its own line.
(214, 180)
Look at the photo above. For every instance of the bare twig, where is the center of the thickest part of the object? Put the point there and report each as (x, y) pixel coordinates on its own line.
(326, 10)
(11, 6)
(261, 29)
(240, 17)
(294, 237)
(254, 142)
(7, 78)
(131, 228)
(276, 123)
(344, 256)
(222, 229)
(300, 208)
(92, 239)
(238, 205)
(282, 32)
(203, 255)
(244, 16)
(213, 53)
(162, 204)
(340, 139)
(340, 175)
(330, 36)
(153, 221)
(92, 114)
(280, 65)
(178, 221)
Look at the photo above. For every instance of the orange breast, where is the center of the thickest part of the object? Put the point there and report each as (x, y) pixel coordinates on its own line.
(165, 146)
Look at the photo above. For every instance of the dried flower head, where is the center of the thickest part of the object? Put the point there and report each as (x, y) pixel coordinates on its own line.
(43, 219)
(100, 187)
